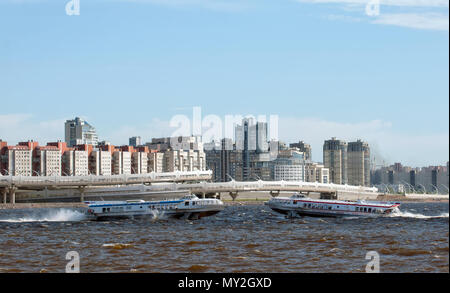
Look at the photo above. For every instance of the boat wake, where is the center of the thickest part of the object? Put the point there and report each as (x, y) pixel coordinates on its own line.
(58, 215)
(158, 215)
(405, 214)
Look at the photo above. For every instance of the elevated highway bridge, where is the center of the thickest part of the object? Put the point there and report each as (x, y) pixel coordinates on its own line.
(145, 185)
(275, 187)
(10, 184)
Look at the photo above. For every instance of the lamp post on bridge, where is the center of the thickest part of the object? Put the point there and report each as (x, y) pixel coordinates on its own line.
(232, 179)
(386, 190)
(435, 187)
(410, 187)
(424, 189)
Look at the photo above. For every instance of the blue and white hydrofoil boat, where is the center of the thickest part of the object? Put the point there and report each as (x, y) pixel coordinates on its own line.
(189, 207)
(300, 205)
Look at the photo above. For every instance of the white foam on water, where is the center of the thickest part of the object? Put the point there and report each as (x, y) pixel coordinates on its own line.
(405, 214)
(57, 215)
(157, 214)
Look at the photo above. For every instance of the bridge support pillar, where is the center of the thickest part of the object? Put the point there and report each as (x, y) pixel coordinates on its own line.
(4, 195)
(12, 195)
(203, 195)
(233, 195)
(81, 189)
(274, 193)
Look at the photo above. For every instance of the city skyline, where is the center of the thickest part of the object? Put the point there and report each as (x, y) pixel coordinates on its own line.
(143, 142)
(351, 77)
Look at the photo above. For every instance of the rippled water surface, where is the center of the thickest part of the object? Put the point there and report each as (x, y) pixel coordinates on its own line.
(247, 238)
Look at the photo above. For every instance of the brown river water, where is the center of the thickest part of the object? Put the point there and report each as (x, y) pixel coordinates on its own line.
(241, 238)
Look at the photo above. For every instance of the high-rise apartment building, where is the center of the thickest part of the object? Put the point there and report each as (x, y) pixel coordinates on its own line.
(251, 139)
(100, 162)
(251, 136)
(222, 159)
(121, 163)
(335, 159)
(75, 163)
(78, 132)
(182, 153)
(139, 162)
(155, 162)
(315, 172)
(425, 179)
(48, 161)
(135, 141)
(358, 163)
(19, 161)
(289, 165)
(304, 148)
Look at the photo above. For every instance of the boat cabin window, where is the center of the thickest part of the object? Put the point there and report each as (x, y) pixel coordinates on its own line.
(370, 210)
(186, 203)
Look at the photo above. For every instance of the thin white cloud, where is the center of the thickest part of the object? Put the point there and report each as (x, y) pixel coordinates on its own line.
(415, 14)
(346, 18)
(431, 21)
(387, 145)
(22, 127)
(214, 5)
(406, 3)
(218, 5)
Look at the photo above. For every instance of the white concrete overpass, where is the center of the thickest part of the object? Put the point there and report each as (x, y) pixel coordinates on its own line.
(204, 189)
(36, 182)
(275, 187)
(10, 184)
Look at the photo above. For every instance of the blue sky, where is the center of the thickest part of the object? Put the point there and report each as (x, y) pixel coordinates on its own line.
(325, 67)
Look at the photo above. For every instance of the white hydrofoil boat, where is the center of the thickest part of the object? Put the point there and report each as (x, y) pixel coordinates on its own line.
(189, 207)
(300, 205)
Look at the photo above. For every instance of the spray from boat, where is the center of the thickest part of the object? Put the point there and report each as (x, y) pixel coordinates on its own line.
(54, 215)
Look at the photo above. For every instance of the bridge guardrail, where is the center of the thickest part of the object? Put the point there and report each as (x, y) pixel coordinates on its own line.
(27, 181)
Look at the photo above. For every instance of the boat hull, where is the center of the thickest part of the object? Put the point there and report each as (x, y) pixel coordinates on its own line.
(189, 214)
(195, 215)
(320, 214)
